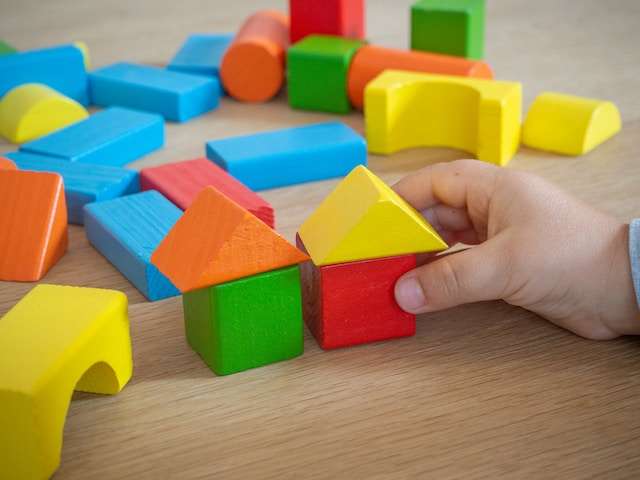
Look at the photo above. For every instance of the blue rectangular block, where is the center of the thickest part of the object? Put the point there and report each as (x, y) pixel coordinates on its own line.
(83, 183)
(290, 156)
(176, 96)
(115, 136)
(61, 68)
(127, 230)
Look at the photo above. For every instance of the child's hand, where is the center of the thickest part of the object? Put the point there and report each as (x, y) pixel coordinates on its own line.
(538, 248)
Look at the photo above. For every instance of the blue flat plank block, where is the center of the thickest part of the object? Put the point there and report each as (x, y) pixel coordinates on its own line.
(61, 68)
(176, 96)
(290, 156)
(127, 230)
(84, 183)
(115, 136)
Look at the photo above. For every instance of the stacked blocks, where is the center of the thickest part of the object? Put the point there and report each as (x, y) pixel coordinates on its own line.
(344, 18)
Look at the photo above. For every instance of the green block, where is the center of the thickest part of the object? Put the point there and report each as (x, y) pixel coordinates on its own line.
(452, 27)
(246, 323)
(5, 48)
(317, 68)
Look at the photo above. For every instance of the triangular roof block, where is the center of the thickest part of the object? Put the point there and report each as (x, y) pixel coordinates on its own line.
(363, 218)
(217, 241)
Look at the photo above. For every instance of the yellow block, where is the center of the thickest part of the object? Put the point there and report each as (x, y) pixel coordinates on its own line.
(363, 219)
(32, 110)
(55, 340)
(407, 110)
(568, 124)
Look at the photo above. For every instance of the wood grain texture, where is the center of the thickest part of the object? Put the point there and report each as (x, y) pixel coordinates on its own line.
(481, 392)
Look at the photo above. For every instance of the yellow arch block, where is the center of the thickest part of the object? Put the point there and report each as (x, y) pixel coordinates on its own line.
(55, 340)
(568, 124)
(32, 110)
(407, 110)
(363, 219)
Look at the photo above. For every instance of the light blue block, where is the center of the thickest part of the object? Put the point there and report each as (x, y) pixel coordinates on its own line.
(83, 182)
(61, 68)
(127, 230)
(290, 156)
(115, 136)
(176, 96)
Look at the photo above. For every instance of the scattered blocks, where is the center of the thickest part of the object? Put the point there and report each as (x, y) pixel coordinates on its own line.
(6, 49)
(127, 230)
(32, 110)
(452, 27)
(253, 67)
(176, 96)
(54, 341)
(115, 136)
(182, 181)
(317, 73)
(370, 61)
(406, 110)
(569, 125)
(6, 164)
(290, 156)
(83, 183)
(33, 224)
(343, 18)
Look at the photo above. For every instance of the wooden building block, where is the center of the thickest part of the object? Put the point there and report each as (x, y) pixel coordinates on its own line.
(181, 182)
(354, 223)
(32, 110)
(127, 230)
(33, 224)
(84, 183)
(569, 125)
(354, 303)
(176, 96)
(61, 68)
(452, 27)
(290, 156)
(317, 73)
(246, 323)
(370, 61)
(6, 49)
(115, 136)
(407, 110)
(217, 241)
(6, 164)
(253, 66)
(54, 341)
(344, 18)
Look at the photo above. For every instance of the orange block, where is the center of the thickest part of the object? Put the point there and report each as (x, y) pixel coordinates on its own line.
(33, 224)
(217, 241)
(253, 69)
(370, 61)
(6, 164)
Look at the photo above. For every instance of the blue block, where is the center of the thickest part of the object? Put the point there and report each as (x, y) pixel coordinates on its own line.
(61, 68)
(127, 230)
(290, 156)
(83, 183)
(115, 136)
(176, 96)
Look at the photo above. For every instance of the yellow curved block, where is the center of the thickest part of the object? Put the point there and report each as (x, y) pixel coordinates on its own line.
(568, 124)
(85, 54)
(407, 110)
(363, 218)
(55, 340)
(32, 110)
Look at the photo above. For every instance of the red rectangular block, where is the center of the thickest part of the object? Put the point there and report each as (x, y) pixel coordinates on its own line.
(344, 18)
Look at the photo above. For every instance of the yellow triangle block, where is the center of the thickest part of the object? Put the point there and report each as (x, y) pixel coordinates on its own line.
(364, 219)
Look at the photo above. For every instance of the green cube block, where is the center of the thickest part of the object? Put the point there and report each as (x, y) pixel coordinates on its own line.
(317, 68)
(452, 27)
(6, 49)
(246, 323)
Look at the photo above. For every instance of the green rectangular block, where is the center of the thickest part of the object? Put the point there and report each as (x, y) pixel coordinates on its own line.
(451, 27)
(317, 69)
(246, 323)
(5, 48)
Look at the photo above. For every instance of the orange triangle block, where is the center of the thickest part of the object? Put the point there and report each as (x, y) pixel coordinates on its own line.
(217, 241)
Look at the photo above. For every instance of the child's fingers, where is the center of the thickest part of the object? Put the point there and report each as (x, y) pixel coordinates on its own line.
(443, 217)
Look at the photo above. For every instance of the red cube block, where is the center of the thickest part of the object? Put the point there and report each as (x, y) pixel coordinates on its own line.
(344, 18)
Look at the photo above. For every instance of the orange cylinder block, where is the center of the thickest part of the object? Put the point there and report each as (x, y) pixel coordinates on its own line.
(253, 68)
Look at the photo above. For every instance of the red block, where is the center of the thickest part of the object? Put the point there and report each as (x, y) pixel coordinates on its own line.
(344, 18)
(182, 181)
(353, 303)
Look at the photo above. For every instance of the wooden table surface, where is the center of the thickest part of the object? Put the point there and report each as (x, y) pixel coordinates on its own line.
(482, 391)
